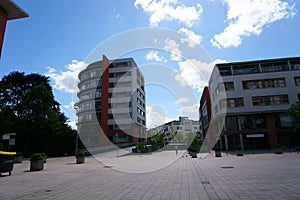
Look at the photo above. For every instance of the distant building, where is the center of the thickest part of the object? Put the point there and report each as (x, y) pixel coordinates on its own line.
(8, 11)
(255, 97)
(183, 125)
(112, 95)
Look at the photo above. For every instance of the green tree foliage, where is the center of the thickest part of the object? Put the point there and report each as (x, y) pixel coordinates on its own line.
(28, 108)
(294, 110)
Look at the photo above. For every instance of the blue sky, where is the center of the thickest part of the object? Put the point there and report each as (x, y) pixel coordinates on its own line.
(58, 36)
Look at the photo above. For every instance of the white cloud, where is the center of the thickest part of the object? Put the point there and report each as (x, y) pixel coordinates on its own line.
(194, 73)
(191, 39)
(70, 108)
(191, 109)
(66, 81)
(181, 100)
(173, 48)
(249, 17)
(169, 10)
(156, 116)
(153, 55)
(73, 125)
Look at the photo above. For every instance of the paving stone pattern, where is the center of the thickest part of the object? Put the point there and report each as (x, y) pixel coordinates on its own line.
(257, 176)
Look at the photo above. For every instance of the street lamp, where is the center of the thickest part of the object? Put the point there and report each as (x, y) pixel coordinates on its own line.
(76, 107)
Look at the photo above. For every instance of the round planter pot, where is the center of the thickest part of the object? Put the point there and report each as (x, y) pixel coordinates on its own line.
(80, 160)
(36, 165)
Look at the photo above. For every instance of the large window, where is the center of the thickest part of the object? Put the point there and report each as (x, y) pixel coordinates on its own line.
(297, 80)
(252, 121)
(274, 67)
(245, 69)
(270, 100)
(231, 102)
(231, 123)
(284, 120)
(264, 83)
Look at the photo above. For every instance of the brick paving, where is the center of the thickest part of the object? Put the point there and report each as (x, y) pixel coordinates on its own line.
(253, 176)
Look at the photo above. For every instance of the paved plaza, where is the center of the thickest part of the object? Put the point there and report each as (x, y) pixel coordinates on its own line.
(253, 176)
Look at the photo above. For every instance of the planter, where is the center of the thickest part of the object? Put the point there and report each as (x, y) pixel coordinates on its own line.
(36, 165)
(80, 159)
(278, 151)
(18, 159)
(193, 154)
(218, 154)
(239, 152)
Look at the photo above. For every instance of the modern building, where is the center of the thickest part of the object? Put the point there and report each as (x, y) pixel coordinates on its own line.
(183, 125)
(254, 97)
(204, 112)
(112, 96)
(8, 11)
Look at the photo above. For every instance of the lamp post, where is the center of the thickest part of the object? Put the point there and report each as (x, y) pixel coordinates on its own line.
(76, 107)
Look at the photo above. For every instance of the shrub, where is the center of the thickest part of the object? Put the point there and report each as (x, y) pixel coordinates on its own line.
(79, 153)
(36, 156)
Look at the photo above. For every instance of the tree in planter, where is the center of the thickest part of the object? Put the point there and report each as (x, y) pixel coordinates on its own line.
(278, 149)
(142, 147)
(218, 152)
(80, 157)
(239, 151)
(36, 162)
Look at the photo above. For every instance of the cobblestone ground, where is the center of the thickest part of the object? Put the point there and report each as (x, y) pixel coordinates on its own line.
(257, 176)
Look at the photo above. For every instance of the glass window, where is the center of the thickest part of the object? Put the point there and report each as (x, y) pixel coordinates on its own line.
(284, 120)
(297, 80)
(252, 121)
(231, 123)
(229, 86)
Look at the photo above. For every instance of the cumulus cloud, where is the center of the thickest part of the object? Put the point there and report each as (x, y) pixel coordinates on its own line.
(194, 73)
(172, 47)
(191, 38)
(169, 10)
(66, 81)
(156, 116)
(191, 109)
(153, 55)
(249, 17)
(181, 100)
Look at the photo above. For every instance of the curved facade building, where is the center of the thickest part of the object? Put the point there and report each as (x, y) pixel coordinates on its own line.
(111, 101)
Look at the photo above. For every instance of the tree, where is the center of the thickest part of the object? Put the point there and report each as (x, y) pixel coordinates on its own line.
(294, 111)
(28, 107)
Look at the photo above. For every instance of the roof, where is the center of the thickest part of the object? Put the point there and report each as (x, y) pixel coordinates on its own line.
(13, 10)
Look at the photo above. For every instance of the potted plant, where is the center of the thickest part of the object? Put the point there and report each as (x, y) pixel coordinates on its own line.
(80, 157)
(218, 152)
(278, 149)
(44, 157)
(18, 157)
(239, 151)
(36, 162)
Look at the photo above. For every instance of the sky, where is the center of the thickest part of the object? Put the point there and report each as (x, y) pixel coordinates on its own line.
(185, 39)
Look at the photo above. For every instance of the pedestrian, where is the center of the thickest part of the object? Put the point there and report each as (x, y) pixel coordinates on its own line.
(176, 150)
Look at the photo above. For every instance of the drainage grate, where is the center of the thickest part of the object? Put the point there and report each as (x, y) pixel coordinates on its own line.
(227, 167)
(205, 182)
